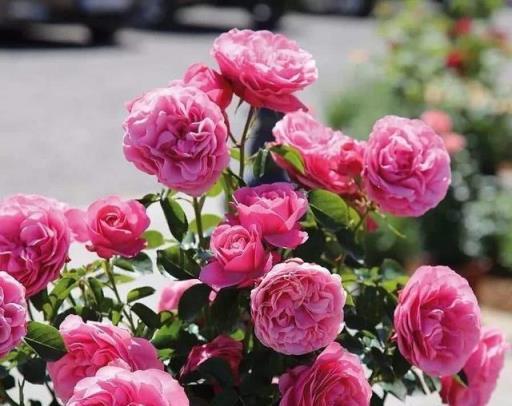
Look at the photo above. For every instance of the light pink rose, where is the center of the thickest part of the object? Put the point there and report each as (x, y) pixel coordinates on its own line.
(335, 378)
(91, 346)
(172, 293)
(332, 160)
(34, 240)
(482, 371)
(211, 82)
(221, 347)
(298, 307)
(407, 168)
(440, 121)
(239, 257)
(112, 226)
(115, 386)
(437, 321)
(13, 313)
(276, 209)
(179, 135)
(265, 69)
(454, 142)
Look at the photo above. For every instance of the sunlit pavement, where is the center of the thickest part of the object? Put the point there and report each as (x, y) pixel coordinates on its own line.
(61, 107)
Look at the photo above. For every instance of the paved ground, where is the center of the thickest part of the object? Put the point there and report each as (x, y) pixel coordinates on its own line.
(62, 104)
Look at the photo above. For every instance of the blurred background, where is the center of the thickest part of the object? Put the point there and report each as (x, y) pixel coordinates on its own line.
(68, 66)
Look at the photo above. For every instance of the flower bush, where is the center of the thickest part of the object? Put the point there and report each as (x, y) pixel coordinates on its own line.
(272, 304)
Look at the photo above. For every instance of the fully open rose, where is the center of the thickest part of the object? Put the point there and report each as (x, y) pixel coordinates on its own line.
(266, 69)
(298, 308)
(13, 313)
(114, 386)
(437, 321)
(335, 378)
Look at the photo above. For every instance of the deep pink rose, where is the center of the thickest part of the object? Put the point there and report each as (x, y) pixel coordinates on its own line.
(440, 121)
(178, 134)
(172, 293)
(265, 69)
(239, 257)
(34, 240)
(221, 347)
(331, 159)
(335, 378)
(115, 386)
(407, 168)
(13, 313)
(112, 226)
(298, 307)
(276, 209)
(437, 321)
(91, 346)
(482, 371)
(211, 82)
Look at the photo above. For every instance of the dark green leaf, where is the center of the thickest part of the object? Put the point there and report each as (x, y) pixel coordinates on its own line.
(139, 293)
(178, 263)
(149, 199)
(331, 211)
(461, 378)
(218, 369)
(193, 301)
(140, 263)
(97, 290)
(228, 397)
(291, 155)
(175, 216)
(146, 315)
(33, 370)
(45, 340)
(154, 239)
(225, 310)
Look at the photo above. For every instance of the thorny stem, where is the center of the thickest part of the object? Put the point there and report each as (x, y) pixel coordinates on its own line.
(248, 124)
(198, 206)
(111, 278)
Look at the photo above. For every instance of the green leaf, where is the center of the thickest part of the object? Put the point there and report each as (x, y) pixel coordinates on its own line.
(291, 155)
(235, 153)
(33, 370)
(178, 263)
(225, 310)
(176, 217)
(140, 263)
(219, 370)
(154, 239)
(97, 290)
(331, 211)
(139, 293)
(228, 397)
(216, 189)
(146, 315)
(166, 335)
(45, 340)
(149, 199)
(194, 299)
(210, 221)
(260, 163)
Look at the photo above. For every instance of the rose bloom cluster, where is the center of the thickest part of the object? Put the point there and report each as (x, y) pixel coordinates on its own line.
(179, 133)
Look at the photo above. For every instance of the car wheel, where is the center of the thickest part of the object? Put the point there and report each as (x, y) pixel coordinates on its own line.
(356, 8)
(267, 14)
(103, 35)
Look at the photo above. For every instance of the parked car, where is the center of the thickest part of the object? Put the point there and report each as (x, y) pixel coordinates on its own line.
(102, 17)
(356, 8)
(265, 13)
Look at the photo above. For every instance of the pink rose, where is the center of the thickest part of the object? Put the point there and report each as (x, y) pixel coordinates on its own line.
(331, 160)
(13, 313)
(276, 209)
(437, 321)
(335, 378)
(115, 386)
(482, 371)
(440, 121)
(211, 82)
(179, 135)
(172, 293)
(298, 308)
(34, 240)
(454, 142)
(221, 347)
(407, 168)
(91, 346)
(240, 257)
(111, 226)
(265, 69)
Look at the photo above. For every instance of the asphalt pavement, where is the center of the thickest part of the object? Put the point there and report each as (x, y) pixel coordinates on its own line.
(62, 103)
